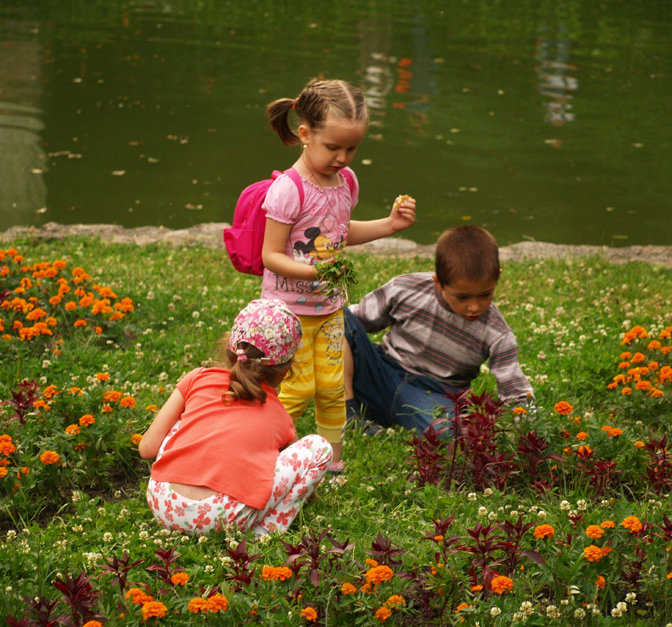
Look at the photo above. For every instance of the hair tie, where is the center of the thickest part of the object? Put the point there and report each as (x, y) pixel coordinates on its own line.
(293, 104)
(241, 355)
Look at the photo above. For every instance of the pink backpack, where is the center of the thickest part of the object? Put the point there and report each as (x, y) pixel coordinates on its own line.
(245, 238)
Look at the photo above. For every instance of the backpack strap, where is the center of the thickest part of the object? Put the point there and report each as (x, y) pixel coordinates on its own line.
(347, 175)
(296, 177)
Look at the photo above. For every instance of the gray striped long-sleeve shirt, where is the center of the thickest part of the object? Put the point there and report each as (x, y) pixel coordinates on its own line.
(425, 337)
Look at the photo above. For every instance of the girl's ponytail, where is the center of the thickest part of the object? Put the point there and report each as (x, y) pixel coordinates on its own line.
(278, 116)
(248, 373)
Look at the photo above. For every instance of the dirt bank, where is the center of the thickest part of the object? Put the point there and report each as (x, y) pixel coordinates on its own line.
(211, 235)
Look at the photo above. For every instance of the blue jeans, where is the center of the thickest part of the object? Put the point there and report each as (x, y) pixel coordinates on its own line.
(392, 395)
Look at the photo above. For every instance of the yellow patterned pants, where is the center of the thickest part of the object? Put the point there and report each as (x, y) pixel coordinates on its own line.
(317, 374)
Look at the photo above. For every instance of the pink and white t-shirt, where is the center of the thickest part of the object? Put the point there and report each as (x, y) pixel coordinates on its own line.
(319, 229)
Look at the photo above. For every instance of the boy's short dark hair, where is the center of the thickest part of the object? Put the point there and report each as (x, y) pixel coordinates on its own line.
(466, 252)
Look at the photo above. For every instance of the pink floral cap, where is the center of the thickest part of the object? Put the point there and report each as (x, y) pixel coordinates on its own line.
(271, 327)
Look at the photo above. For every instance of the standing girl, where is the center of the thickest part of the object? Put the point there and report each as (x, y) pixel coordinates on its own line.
(225, 447)
(332, 121)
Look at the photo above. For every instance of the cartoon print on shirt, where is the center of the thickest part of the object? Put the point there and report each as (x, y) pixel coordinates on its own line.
(316, 248)
(333, 330)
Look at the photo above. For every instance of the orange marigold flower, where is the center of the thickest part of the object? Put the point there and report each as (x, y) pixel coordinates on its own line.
(594, 531)
(563, 408)
(217, 603)
(72, 429)
(626, 355)
(656, 392)
(79, 323)
(153, 609)
(438, 538)
(584, 451)
(138, 596)
(6, 444)
(366, 588)
(3, 472)
(127, 401)
(278, 573)
(50, 457)
(638, 358)
(370, 562)
(581, 435)
(476, 588)
(668, 576)
(383, 613)
(606, 550)
(107, 408)
(103, 376)
(519, 411)
(600, 581)
(462, 606)
(179, 579)
(50, 391)
(92, 623)
(501, 584)
(544, 531)
(136, 438)
(395, 601)
(653, 345)
(379, 574)
(112, 396)
(607, 524)
(151, 408)
(309, 613)
(624, 365)
(592, 553)
(653, 365)
(197, 605)
(626, 391)
(632, 523)
(87, 420)
(615, 432)
(348, 588)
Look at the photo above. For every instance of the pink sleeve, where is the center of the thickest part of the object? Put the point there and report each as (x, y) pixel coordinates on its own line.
(282, 202)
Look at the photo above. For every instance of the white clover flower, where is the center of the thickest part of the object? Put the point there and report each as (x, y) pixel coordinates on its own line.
(623, 607)
(487, 492)
(11, 534)
(541, 514)
(631, 597)
(495, 611)
(604, 503)
(582, 504)
(564, 505)
(553, 612)
(471, 496)
(107, 537)
(77, 528)
(208, 568)
(117, 494)
(514, 513)
(482, 511)
(564, 602)
(492, 516)
(579, 612)
(143, 535)
(202, 539)
(616, 613)
(573, 590)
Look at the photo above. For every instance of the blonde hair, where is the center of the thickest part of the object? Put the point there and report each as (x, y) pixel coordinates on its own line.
(248, 374)
(313, 104)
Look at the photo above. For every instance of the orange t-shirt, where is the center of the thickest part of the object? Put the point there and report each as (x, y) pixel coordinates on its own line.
(231, 448)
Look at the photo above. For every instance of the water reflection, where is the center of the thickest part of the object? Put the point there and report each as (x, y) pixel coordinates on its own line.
(556, 82)
(22, 161)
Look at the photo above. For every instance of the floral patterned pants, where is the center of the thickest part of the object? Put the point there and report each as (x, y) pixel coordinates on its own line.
(300, 467)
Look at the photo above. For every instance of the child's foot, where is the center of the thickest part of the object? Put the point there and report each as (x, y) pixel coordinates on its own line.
(353, 419)
(336, 468)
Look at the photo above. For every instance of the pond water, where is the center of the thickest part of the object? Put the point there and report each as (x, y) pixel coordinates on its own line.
(539, 119)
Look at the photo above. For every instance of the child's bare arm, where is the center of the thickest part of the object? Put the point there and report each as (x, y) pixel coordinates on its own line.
(274, 256)
(163, 422)
(402, 216)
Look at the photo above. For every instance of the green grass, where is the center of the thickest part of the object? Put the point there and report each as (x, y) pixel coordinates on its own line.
(569, 317)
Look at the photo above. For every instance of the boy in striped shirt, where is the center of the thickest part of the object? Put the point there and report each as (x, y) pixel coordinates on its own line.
(441, 327)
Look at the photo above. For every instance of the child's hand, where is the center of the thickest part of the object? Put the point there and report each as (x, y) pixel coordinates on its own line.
(403, 213)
